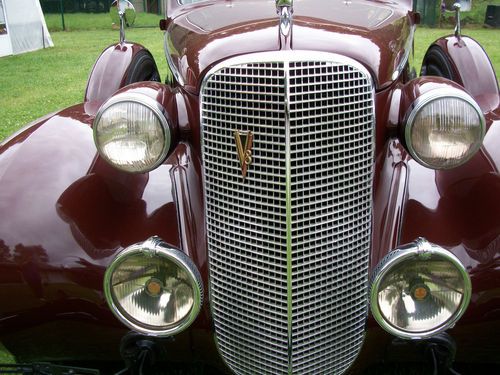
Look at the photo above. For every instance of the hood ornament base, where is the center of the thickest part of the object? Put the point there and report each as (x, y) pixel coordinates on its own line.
(285, 11)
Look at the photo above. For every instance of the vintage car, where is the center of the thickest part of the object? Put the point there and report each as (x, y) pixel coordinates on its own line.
(295, 200)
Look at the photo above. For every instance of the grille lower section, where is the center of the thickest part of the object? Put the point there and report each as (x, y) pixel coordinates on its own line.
(289, 244)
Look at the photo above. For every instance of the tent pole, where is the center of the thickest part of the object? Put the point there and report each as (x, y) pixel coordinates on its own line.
(61, 6)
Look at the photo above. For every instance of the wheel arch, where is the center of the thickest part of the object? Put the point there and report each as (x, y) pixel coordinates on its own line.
(117, 66)
(467, 64)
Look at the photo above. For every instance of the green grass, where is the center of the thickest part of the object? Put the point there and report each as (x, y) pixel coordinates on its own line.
(477, 13)
(92, 21)
(37, 83)
(488, 38)
(5, 356)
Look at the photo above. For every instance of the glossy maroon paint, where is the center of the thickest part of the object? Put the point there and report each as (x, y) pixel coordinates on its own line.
(374, 33)
(472, 69)
(110, 71)
(76, 215)
(457, 209)
(73, 219)
(69, 213)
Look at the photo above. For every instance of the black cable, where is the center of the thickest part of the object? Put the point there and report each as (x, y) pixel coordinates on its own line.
(453, 371)
(142, 356)
(434, 360)
(122, 372)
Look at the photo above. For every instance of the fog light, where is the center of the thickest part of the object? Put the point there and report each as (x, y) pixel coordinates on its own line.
(154, 289)
(419, 290)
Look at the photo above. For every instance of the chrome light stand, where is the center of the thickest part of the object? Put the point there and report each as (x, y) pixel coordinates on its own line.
(458, 28)
(122, 12)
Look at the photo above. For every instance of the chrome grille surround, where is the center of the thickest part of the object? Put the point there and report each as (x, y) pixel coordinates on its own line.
(289, 245)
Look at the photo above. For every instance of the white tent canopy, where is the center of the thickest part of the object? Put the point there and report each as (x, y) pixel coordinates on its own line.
(22, 27)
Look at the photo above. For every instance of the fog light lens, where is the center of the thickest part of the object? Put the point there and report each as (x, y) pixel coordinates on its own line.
(419, 290)
(154, 289)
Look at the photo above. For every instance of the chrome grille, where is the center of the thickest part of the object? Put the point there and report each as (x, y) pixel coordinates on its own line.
(288, 246)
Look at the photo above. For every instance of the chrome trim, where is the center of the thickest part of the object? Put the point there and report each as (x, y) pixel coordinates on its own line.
(260, 299)
(286, 19)
(170, 62)
(408, 50)
(420, 248)
(288, 199)
(458, 27)
(121, 14)
(146, 101)
(152, 247)
(429, 97)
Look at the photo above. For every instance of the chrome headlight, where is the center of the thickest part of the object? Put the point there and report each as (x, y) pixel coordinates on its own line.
(419, 290)
(154, 289)
(132, 133)
(444, 128)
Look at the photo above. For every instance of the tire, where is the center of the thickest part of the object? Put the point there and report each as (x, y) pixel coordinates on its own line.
(142, 68)
(436, 63)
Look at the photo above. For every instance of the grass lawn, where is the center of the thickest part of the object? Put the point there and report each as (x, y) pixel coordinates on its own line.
(37, 83)
(5, 356)
(488, 38)
(477, 13)
(92, 21)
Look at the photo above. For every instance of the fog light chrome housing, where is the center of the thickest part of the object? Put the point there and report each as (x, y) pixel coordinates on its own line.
(153, 288)
(444, 129)
(419, 290)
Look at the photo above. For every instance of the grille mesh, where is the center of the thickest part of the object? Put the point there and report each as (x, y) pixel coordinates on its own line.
(288, 246)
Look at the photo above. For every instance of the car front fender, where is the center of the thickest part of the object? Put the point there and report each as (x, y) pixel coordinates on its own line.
(119, 65)
(65, 214)
(457, 209)
(471, 68)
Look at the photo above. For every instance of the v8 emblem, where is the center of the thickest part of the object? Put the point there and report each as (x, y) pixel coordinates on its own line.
(244, 154)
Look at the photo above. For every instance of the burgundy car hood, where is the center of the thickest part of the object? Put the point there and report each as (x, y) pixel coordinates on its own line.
(375, 33)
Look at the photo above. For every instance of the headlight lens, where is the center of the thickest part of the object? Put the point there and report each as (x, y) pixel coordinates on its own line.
(154, 289)
(445, 128)
(132, 133)
(419, 290)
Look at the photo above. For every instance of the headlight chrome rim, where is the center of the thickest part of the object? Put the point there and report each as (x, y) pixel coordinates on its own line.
(151, 104)
(419, 248)
(152, 247)
(425, 99)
